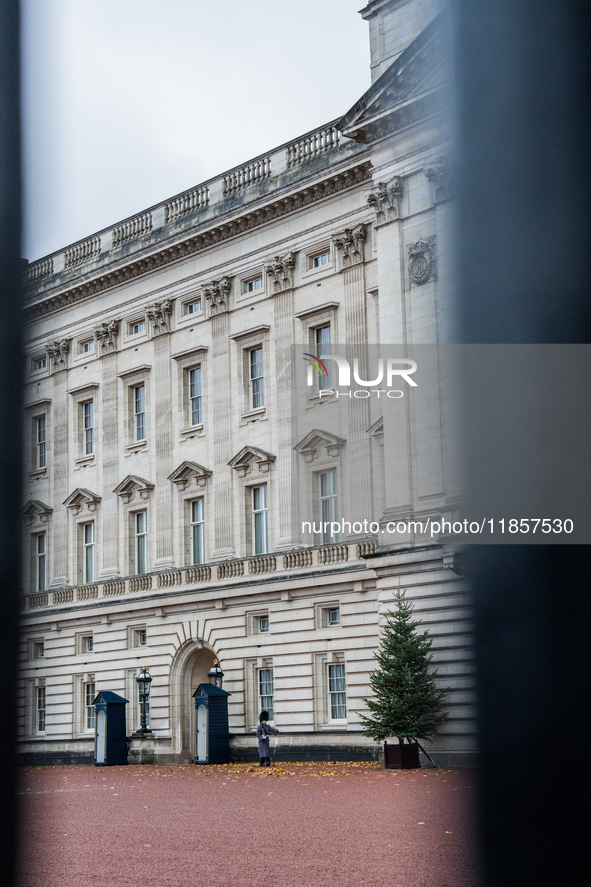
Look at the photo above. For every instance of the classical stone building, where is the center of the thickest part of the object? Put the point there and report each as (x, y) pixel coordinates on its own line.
(163, 470)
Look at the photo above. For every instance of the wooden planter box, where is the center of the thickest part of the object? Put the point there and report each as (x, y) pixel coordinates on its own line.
(401, 757)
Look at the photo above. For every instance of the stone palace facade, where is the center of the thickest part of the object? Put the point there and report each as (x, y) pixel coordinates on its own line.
(160, 457)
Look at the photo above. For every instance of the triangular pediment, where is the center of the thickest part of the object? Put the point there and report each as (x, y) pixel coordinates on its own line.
(189, 472)
(81, 497)
(248, 456)
(377, 430)
(407, 91)
(132, 484)
(310, 445)
(35, 509)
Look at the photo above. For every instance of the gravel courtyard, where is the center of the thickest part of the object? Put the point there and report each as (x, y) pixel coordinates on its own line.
(335, 825)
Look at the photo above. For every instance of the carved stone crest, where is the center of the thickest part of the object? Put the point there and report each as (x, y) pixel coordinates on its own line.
(350, 245)
(440, 181)
(159, 313)
(385, 200)
(422, 265)
(106, 333)
(217, 294)
(280, 271)
(58, 354)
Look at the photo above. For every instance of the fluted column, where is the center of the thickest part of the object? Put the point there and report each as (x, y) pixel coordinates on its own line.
(163, 416)
(58, 357)
(109, 456)
(217, 296)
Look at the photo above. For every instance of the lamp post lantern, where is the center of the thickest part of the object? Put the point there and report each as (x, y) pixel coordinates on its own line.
(144, 679)
(215, 674)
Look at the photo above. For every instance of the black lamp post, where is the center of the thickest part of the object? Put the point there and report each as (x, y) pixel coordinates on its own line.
(215, 674)
(144, 679)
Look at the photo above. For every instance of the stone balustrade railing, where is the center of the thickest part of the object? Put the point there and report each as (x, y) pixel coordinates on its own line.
(212, 575)
(247, 175)
(188, 208)
(312, 145)
(136, 227)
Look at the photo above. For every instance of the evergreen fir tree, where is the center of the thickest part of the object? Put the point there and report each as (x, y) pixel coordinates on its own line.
(406, 702)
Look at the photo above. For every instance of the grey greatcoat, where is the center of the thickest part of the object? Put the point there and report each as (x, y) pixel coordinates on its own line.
(263, 731)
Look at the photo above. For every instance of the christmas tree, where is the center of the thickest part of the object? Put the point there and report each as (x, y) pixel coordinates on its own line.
(406, 702)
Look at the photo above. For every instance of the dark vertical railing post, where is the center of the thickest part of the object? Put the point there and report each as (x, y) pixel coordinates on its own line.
(523, 76)
(10, 417)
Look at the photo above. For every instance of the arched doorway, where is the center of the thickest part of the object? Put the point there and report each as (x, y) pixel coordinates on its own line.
(189, 669)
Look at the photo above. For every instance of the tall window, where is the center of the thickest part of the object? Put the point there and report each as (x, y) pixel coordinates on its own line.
(88, 409)
(328, 505)
(266, 691)
(322, 342)
(40, 557)
(41, 442)
(197, 529)
(195, 396)
(40, 709)
(89, 697)
(257, 391)
(337, 701)
(260, 519)
(141, 541)
(88, 553)
(139, 410)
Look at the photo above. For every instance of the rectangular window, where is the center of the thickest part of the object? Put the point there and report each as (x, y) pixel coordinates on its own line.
(88, 420)
(40, 709)
(41, 429)
(195, 396)
(193, 307)
(266, 691)
(40, 556)
(263, 624)
(141, 637)
(253, 286)
(139, 412)
(138, 327)
(141, 541)
(322, 343)
(260, 519)
(257, 393)
(328, 505)
(197, 532)
(89, 697)
(337, 701)
(320, 260)
(87, 644)
(87, 347)
(38, 650)
(88, 552)
(331, 616)
(40, 363)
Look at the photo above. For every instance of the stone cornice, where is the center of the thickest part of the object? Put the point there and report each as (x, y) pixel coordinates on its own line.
(199, 240)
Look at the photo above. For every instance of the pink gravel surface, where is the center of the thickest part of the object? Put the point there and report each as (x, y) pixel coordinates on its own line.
(335, 825)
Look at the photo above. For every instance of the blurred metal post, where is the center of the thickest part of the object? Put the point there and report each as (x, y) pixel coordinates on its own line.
(10, 418)
(522, 247)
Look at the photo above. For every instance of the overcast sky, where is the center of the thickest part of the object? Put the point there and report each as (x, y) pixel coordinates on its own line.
(128, 102)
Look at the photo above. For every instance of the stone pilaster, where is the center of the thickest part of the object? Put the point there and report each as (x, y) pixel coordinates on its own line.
(351, 246)
(163, 416)
(217, 296)
(283, 309)
(58, 355)
(109, 456)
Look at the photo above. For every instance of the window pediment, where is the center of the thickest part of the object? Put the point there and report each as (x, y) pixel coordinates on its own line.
(80, 498)
(309, 445)
(35, 510)
(131, 485)
(243, 461)
(189, 473)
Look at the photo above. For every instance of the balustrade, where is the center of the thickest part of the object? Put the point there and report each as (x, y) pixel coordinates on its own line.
(186, 203)
(135, 227)
(39, 271)
(63, 596)
(311, 146)
(86, 592)
(114, 587)
(140, 583)
(198, 574)
(230, 569)
(264, 563)
(333, 554)
(170, 578)
(295, 559)
(82, 252)
(247, 175)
